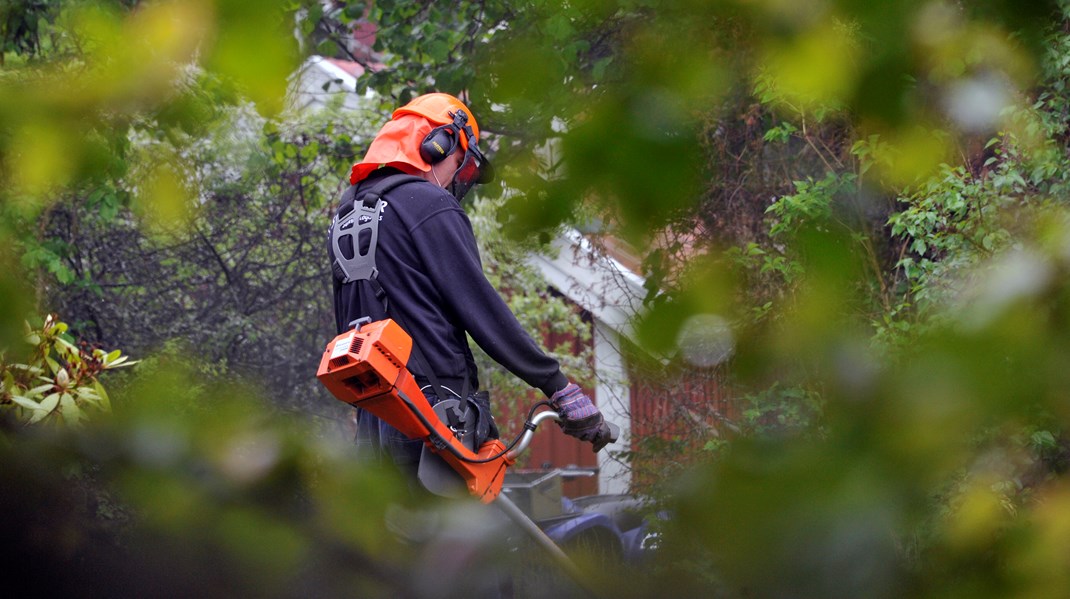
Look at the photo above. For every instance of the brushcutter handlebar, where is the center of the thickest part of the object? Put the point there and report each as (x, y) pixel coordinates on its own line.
(529, 432)
(608, 433)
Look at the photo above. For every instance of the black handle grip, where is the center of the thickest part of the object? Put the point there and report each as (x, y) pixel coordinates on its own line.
(607, 433)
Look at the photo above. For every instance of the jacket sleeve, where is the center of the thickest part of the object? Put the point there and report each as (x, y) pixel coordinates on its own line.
(448, 247)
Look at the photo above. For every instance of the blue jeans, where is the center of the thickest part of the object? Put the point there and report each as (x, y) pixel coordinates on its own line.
(376, 440)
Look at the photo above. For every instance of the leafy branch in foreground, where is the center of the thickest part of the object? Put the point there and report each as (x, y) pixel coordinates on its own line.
(60, 379)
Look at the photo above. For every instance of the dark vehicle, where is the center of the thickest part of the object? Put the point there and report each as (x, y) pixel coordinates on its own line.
(631, 517)
(615, 528)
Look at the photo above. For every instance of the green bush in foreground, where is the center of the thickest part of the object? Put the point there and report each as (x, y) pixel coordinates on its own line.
(58, 381)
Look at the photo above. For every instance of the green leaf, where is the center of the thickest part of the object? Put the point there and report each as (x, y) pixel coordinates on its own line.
(120, 361)
(48, 404)
(105, 401)
(88, 395)
(72, 414)
(438, 50)
(26, 402)
(63, 274)
(1043, 439)
(354, 10)
(68, 346)
(40, 389)
(598, 72)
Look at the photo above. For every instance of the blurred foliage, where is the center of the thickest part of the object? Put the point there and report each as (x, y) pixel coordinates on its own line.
(558, 326)
(80, 80)
(230, 272)
(93, 70)
(179, 482)
(925, 306)
(871, 195)
(632, 83)
(58, 382)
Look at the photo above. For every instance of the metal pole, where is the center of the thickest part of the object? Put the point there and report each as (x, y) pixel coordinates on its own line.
(540, 537)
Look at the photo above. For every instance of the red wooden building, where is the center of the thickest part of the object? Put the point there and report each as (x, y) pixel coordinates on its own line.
(673, 406)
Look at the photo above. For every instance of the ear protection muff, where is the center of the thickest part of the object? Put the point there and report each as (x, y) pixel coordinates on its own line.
(443, 140)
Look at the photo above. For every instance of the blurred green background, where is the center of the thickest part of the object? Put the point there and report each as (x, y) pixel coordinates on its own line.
(870, 195)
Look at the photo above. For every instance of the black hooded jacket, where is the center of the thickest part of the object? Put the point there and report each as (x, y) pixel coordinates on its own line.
(431, 271)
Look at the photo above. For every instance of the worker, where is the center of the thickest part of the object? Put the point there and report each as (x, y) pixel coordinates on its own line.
(428, 276)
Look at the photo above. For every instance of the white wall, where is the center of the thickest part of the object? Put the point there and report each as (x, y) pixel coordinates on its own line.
(307, 87)
(613, 397)
(612, 294)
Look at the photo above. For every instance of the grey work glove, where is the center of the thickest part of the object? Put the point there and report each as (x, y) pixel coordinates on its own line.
(579, 417)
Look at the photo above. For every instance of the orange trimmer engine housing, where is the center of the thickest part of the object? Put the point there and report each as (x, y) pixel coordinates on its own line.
(366, 368)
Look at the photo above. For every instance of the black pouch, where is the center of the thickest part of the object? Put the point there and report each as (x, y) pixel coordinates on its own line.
(473, 424)
(485, 426)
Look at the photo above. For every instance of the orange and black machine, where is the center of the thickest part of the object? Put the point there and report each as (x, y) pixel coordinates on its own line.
(366, 368)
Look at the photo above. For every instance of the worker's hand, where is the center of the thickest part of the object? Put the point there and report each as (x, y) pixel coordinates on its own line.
(579, 417)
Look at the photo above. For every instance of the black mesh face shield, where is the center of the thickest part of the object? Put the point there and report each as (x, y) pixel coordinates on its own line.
(475, 168)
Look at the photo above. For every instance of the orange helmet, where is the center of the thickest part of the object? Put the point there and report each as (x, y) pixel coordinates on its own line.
(399, 141)
(439, 108)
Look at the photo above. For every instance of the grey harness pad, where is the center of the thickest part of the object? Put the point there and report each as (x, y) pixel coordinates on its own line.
(354, 237)
(354, 230)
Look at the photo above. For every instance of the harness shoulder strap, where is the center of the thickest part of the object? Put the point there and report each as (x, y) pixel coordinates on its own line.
(354, 232)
